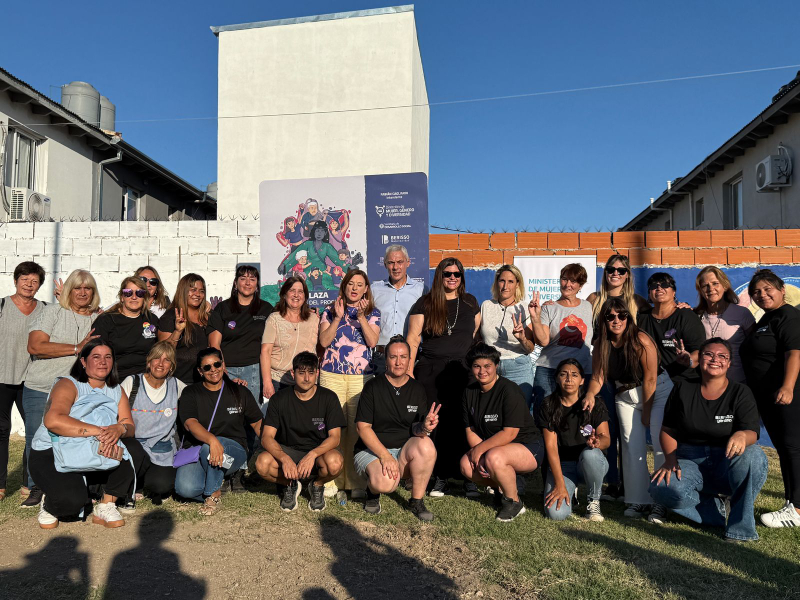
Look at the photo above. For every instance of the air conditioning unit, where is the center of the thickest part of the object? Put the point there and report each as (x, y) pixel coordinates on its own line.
(27, 205)
(773, 172)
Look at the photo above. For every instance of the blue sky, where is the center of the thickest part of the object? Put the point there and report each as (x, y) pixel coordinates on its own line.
(578, 161)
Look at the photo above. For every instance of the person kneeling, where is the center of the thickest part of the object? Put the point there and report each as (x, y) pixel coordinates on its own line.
(394, 425)
(709, 434)
(503, 437)
(575, 440)
(301, 435)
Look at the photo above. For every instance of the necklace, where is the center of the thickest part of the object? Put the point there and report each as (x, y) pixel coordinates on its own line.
(714, 326)
(78, 337)
(396, 390)
(447, 321)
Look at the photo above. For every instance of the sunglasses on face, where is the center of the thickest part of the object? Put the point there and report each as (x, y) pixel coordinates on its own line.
(152, 281)
(617, 270)
(216, 365)
(622, 316)
(657, 284)
(128, 292)
(453, 274)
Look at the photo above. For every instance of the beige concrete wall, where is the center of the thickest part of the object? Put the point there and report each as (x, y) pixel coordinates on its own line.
(328, 70)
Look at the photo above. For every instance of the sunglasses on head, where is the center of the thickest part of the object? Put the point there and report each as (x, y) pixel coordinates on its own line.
(617, 270)
(622, 316)
(128, 292)
(216, 364)
(658, 284)
(454, 274)
(152, 281)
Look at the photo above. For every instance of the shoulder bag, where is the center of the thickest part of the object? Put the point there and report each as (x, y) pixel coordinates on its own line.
(187, 456)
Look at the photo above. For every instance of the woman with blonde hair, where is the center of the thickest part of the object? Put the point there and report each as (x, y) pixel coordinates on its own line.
(55, 338)
(185, 325)
(128, 327)
(159, 301)
(722, 317)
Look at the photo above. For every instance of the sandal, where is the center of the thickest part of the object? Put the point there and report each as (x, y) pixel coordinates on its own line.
(2, 495)
(210, 506)
(138, 496)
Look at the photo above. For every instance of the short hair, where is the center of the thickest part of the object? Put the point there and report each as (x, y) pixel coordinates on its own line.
(520, 292)
(716, 340)
(305, 359)
(160, 349)
(78, 278)
(29, 268)
(574, 272)
(78, 371)
(483, 350)
(764, 275)
(395, 248)
(662, 278)
(397, 339)
(283, 307)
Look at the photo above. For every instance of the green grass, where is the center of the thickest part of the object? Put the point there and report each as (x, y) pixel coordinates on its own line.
(536, 558)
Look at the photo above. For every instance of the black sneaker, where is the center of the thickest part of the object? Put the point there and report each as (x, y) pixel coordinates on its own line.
(237, 483)
(373, 503)
(34, 499)
(316, 497)
(290, 494)
(471, 490)
(439, 488)
(613, 492)
(497, 498)
(407, 484)
(510, 510)
(417, 507)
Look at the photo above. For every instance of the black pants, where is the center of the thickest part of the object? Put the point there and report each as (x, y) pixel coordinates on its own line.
(154, 479)
(67, 493)
(444, 382)
(9, 396)
(783, 426)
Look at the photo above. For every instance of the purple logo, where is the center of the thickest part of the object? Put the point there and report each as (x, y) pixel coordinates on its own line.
(670, 334)
(231, 324)
(321, 426)
(587, 430)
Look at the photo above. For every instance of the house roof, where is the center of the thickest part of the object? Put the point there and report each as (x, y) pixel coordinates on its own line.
(784, 104)
(315, 18)
(23, 93)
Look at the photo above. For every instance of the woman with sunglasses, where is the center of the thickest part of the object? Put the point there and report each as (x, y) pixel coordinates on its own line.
(503, 326)
(628, 356)
(721, 315)
(185, 325)
(771, 358)
(215, 414)
(159, 301)
(709, 438)
(129, 327)
(442, 325)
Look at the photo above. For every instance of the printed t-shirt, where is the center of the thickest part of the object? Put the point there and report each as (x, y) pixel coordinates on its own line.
(487, 413)
(131, 338)
(391, 414)
(572, 433)
(186, 355)
(461, 317)
(763, 351)
(683, 324)
(304, 424)
(731, 325)
(695, 420)
(570, 335)
(241, 332)
(348, 353)
(288, 340)
(231, 419)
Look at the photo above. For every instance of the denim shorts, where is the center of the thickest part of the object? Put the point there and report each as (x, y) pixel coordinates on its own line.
(365, 457)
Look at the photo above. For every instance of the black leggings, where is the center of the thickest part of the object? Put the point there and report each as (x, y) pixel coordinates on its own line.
(9, 396)
(67, 493)
(783, 424)
(158, 481)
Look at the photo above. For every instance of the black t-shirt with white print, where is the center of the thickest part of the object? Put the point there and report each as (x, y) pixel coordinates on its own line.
(391, 414)
(304, 424)
(695, 420)
(487, 413)
(571, 432)
(763, 352)
(131, 338)
(186, 354)
(683, 324)
(241, 332)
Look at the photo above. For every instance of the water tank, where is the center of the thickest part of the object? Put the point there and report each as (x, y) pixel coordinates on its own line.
(108, 114)
(82, 99)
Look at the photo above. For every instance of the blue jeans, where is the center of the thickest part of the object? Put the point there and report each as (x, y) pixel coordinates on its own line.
(199, 480)
(590, 468)
(520, 371)
(544, 383)
(33, 403)
(252, 375)
(705, 474)
(607, 392)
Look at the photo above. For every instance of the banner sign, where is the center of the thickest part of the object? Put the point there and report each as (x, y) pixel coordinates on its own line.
(542, 273)
(319, 229)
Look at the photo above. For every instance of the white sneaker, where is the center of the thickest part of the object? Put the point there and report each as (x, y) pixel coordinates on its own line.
(593, 511)
(330, 489)
(636, 510)
(785, 517)
(107, 515)
(358, 494)
(658, 514)
(46, 520)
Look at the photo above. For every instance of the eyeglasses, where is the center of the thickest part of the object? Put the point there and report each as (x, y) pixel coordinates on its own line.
(128, 292)
(657, 284)
(712, 356)
(622, 316)
(453, 274)
(617, 270)
(217, 364)
(152, 281)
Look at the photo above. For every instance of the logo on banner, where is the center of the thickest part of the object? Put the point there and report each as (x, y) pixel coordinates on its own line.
(379, 210)
(384, 239)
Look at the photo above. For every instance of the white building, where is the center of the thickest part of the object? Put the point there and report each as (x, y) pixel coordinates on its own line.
(322, 96)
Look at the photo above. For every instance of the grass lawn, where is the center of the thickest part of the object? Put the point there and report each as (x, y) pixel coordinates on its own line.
(536, 558)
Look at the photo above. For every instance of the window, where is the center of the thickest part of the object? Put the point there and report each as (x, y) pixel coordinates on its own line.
(699, 212)
(20, 159)
(131, 205)
(732, 204)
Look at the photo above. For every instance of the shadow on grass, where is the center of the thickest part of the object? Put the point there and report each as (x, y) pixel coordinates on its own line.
(368, 568)
(60, 564)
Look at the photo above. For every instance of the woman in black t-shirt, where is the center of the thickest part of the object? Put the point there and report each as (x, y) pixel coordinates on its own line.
(771, 358)
(709, 439)
(185, 325)
(441, 328)
(129, 328)
(503, 438)
(575, 440)
(215, 414)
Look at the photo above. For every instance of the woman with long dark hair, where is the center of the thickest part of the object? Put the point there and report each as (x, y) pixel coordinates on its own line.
(185, 325)
(215, 414)
(159, 301)
(441, 328)
(319, 252)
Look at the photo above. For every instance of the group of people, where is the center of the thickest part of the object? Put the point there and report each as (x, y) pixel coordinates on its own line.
(398, 384)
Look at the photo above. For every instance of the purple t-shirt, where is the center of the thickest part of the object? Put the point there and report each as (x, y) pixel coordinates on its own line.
(348, 353)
